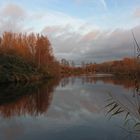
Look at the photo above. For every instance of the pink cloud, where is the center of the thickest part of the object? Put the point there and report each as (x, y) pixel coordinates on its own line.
(11, 18)
(13, 11)
(90, 36)
(136, 13)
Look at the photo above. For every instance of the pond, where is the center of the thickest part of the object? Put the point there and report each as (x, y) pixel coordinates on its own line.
(75, 108)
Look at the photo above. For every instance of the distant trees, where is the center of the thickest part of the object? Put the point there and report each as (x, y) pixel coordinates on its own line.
(127, 66)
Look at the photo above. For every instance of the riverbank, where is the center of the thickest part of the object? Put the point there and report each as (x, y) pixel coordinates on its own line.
(16, 69)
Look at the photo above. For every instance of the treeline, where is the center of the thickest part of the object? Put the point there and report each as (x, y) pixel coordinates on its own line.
(33, 48)
(69, 68)
(125, 67)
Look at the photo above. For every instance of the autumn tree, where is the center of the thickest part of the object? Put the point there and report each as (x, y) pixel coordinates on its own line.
(34, 48)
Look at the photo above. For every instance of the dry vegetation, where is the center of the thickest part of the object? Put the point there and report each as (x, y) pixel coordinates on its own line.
(33, 50)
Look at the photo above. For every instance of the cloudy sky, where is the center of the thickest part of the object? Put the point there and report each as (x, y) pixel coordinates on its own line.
(90, 30)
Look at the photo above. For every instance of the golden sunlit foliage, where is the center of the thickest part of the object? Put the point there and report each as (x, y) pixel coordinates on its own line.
(34, 48)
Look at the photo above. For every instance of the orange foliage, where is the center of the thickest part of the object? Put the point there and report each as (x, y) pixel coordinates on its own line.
(34, 48)
(127, 66)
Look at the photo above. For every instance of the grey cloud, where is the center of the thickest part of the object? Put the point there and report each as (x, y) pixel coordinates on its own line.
(95, 46)
(84, 43)
(62, 38)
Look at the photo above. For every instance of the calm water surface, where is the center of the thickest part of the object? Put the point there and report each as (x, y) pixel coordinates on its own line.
(81, 108)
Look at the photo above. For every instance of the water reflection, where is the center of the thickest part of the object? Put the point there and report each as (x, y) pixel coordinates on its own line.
(32, 99)
(75, 109)
(129, 106)
(126, 83)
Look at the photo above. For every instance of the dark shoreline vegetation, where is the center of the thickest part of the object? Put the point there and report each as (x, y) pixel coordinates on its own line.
(29, 58)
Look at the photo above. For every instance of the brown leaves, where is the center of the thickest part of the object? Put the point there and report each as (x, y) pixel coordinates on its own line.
(34, 48)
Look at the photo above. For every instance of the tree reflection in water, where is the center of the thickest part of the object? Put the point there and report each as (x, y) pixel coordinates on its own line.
(125, 82)
(32, 99)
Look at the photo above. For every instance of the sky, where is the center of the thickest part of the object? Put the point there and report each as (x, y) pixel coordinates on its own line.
(79, 30)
